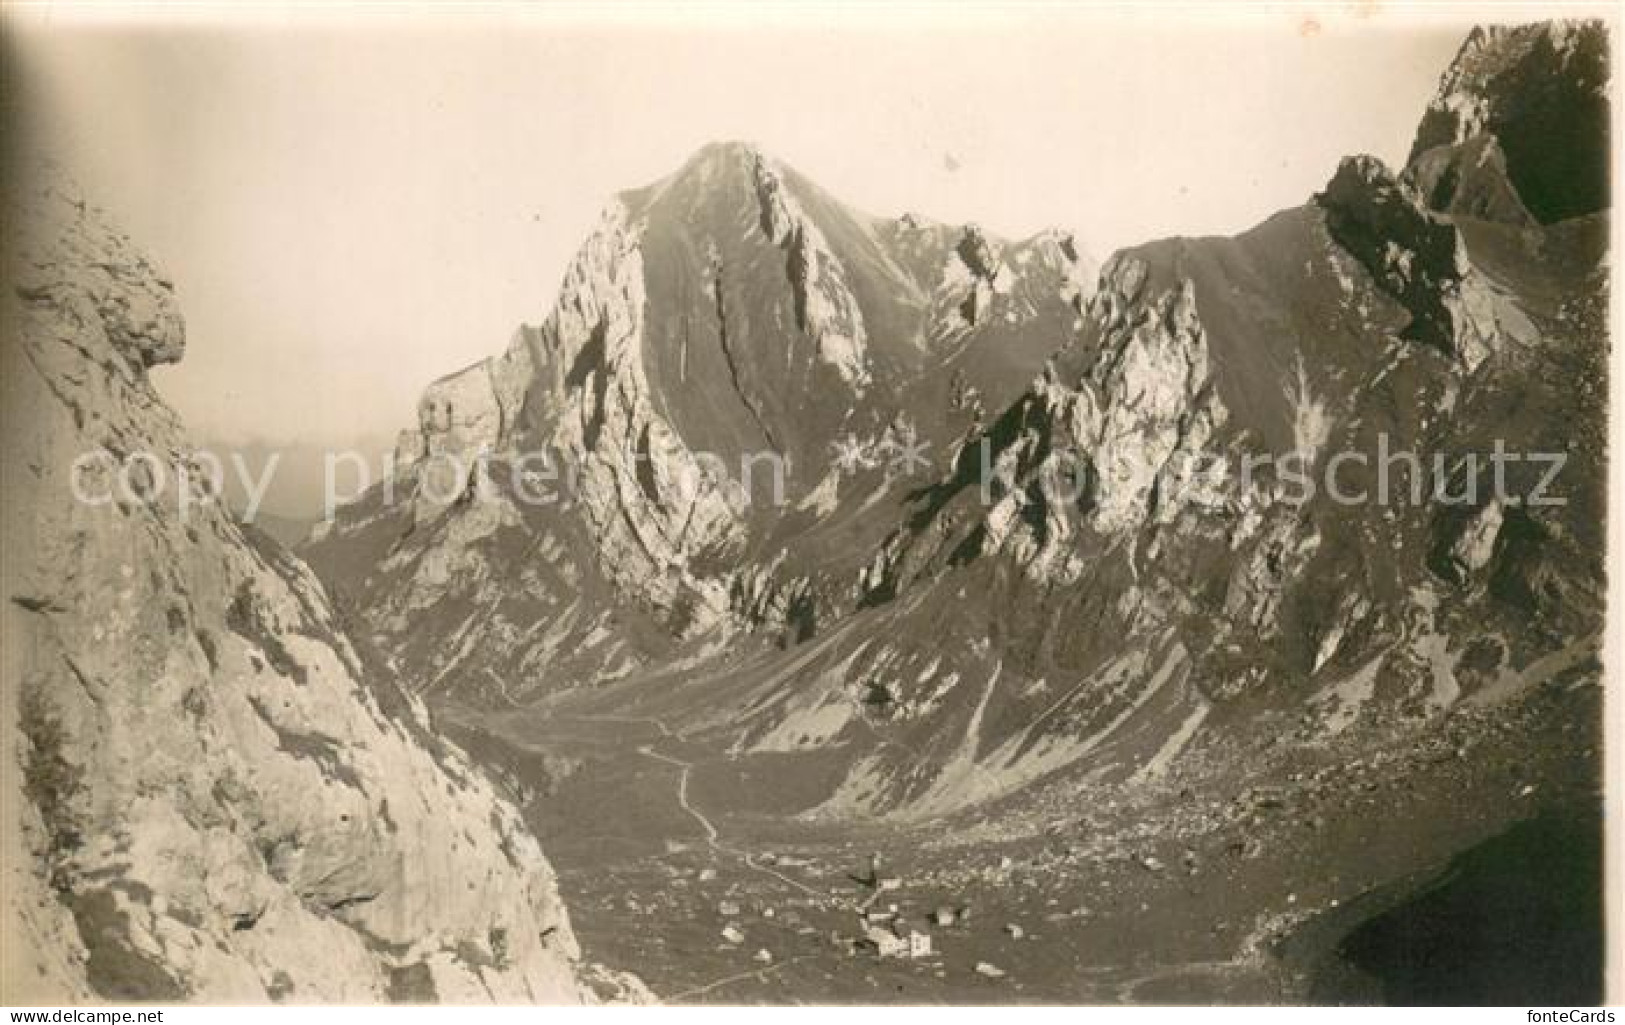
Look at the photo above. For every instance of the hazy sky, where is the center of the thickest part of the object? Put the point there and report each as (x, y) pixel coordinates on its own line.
(350, 210)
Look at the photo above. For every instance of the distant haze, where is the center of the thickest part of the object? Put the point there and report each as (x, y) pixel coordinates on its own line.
(350, 209)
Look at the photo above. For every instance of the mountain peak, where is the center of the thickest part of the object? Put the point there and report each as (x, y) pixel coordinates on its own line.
(727, 153)
(721, 166)
(729, 149)
(726, 159)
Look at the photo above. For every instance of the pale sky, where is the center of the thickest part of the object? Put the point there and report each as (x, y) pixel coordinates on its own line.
(350, 210)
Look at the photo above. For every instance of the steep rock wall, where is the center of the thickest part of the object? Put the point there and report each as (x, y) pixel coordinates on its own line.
(210, 793)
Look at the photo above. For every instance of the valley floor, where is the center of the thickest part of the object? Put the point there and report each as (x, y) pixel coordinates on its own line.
(1338, 886)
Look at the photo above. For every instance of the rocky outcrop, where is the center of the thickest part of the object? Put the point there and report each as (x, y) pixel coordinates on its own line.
(1473, 547)
(981, 264)
(102, 274)
(1115, 449)
(1414, 256)
(211, 792)
(1147, 401)
(977, 253)
(463, 418)
(647, 496)
(1419, 259)
(824, 304)
(1542, 91)
(1469, 180)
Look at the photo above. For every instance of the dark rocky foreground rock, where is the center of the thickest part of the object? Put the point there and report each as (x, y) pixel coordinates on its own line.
(210, 792)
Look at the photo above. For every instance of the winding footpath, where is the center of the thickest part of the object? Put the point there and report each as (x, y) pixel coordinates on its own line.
(740, 977)
(682, 792)
(712, 837)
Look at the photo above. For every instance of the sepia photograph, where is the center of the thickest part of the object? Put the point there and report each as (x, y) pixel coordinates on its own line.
(895, 505)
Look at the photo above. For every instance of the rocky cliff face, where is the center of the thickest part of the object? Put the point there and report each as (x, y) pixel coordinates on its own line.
(211, 792)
